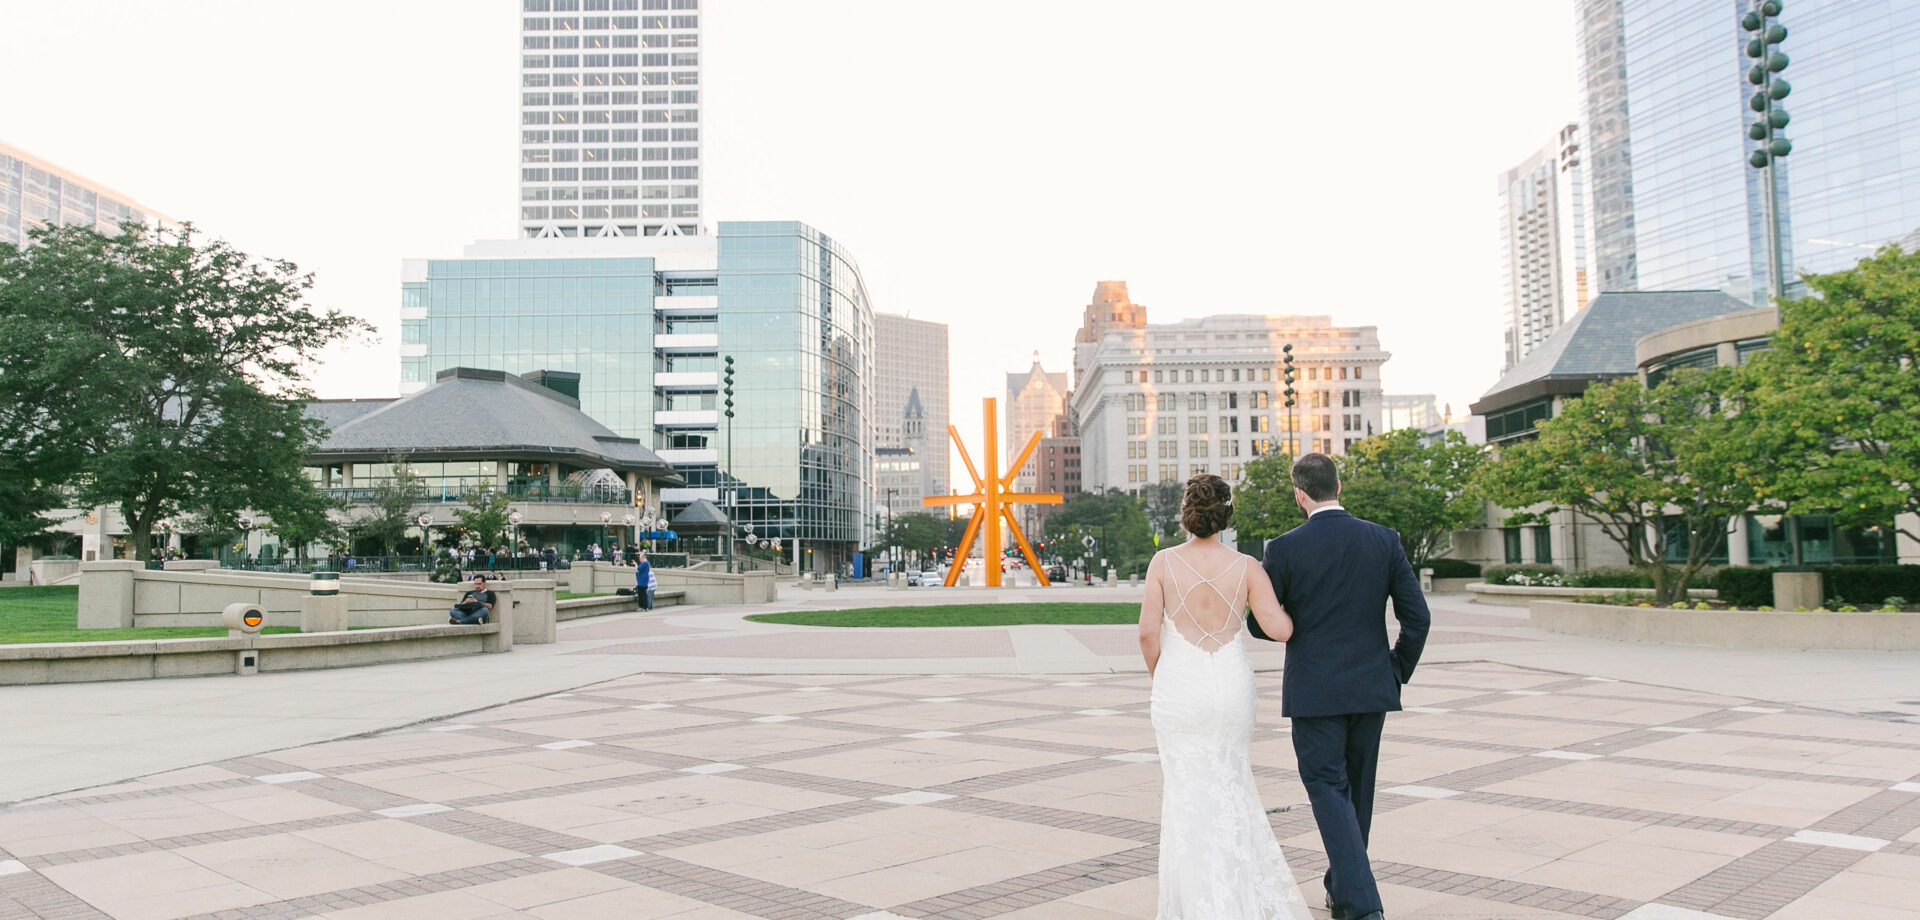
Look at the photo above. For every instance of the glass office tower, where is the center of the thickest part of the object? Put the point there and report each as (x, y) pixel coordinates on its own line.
(1674, 204)
(647, 321)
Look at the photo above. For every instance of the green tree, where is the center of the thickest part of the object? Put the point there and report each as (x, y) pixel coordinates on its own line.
(303, 515)
(1660, 471)
(1263, 505)
(387, 515)
(917, 533)
(1835, 396)
(165, 373)
(1399, 480)
(1116, 520)
(1162, 501)
(484, 518)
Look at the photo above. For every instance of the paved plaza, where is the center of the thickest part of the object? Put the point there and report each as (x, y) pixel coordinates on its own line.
(696, 766)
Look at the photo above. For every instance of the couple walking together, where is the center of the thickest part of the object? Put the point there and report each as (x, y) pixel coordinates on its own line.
(1322, 588)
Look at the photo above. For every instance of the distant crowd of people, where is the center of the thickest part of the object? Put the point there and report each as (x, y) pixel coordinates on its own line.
(546, 559)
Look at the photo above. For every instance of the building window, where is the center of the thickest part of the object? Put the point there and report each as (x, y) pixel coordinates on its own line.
(1543, 544)
(1511, 536)
(1156, 377)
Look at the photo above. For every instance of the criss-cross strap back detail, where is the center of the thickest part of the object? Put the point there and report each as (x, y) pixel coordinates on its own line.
(1230, 628)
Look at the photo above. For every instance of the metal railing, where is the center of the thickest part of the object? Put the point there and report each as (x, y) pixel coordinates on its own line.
(454, 492)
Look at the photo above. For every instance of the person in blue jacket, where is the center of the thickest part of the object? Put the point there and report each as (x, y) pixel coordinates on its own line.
(644, 582)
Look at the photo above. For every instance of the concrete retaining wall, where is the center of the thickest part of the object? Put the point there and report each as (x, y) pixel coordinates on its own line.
(697, 586)
(117, 594)
(72, 662)
(1525, 595)
(1731, 628)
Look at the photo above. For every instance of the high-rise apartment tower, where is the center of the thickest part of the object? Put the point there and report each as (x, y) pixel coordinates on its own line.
(1543, 243)
(609, 118)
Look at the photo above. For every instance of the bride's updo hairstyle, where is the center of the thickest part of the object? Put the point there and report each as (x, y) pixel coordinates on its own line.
(1207, 506)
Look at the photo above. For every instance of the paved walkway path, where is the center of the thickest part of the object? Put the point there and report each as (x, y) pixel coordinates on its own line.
(694, 765)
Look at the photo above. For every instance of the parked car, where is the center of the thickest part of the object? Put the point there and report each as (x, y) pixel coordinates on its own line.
(926, 579)
(1056, 573)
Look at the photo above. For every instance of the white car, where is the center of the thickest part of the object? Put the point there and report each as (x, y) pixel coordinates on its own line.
(925, 579)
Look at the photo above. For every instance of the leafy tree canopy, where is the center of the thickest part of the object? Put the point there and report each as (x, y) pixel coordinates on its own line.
(1655, 469)
(1420, 489)
(159, 372)
(1836, 395)
(1263, 505)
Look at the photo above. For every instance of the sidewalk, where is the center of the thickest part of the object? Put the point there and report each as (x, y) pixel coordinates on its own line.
(72, 736)
(697, 766)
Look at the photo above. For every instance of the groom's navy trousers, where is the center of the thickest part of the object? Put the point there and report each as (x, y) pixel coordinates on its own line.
(1334, 575)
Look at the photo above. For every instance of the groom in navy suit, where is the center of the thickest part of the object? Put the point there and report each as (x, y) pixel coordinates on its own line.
(1334, 575)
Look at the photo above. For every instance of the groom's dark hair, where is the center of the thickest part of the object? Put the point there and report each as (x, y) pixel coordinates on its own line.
(1316, 475)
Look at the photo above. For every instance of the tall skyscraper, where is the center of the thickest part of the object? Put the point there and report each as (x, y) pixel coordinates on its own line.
(646, 322)
(1543, 243)
(1036, 400)
(1675, 205)
(910, 389)
(609, 118)
(36, 193)
(1164, 401)
(1109, 308)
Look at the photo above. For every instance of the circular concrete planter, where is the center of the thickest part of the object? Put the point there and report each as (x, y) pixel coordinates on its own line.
(1524, 595)
(1731, 628)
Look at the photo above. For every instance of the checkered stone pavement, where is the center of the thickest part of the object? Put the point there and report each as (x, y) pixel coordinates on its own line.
(1504, 793)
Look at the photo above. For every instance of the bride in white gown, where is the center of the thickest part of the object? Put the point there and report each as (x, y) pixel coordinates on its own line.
(1218, 857)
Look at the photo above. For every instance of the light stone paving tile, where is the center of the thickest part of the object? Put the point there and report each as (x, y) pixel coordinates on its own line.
(149, 886)
(439, 905)
(410, 847)
(287, 867)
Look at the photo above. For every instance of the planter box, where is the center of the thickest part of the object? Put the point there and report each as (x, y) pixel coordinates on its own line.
(1731, 628)
(1524, 595)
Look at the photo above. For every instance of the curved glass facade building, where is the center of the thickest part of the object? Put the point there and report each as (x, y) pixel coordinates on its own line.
(1674, 205)
(647, 322)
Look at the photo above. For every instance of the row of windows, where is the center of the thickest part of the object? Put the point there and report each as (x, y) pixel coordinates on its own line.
(602, 211)
(566, 42)
(586, 174)
(611, 136)
(615, 6)
(605, 193)
(577, 61)
(649, 78)
(645, 173)
(1220, 375)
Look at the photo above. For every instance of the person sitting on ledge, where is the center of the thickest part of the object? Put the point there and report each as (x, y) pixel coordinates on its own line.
(476, 606)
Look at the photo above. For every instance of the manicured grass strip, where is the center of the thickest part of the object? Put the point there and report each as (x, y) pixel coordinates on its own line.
(962, 615)
(48, 614)
(569, 595)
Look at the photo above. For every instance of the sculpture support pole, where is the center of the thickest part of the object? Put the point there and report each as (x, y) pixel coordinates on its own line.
(992, 522)
(992, 500)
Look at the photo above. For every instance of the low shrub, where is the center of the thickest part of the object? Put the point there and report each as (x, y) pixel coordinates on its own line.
(1609, 577)
(1530, 574)
(1751, 586)
(1452, 568)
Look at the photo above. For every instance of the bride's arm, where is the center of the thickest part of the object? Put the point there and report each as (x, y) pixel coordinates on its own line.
(1267, 611)
(1151, 611)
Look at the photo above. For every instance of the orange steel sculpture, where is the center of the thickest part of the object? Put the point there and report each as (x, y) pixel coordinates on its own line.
(992, 501)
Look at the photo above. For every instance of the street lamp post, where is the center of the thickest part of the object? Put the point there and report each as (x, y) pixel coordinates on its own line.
(726, 478)
(513, 519)
(1293, 432)
(1763, 37)
(893, 553)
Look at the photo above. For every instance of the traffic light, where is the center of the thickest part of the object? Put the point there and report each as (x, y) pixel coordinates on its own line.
(728, 390)
(1763, 36)
(1287, 373)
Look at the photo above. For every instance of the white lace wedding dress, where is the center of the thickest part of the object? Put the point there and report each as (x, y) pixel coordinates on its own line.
(1218, 858)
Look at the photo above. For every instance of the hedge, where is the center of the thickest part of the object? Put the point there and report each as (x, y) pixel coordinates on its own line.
(1860, 585)
(1452, 568)
(1503, 574)
(1621, 576)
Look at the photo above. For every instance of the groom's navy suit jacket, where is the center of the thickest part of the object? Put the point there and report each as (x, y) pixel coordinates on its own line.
(1334, 575)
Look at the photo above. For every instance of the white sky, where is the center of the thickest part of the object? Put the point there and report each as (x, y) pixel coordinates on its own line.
(986, 161)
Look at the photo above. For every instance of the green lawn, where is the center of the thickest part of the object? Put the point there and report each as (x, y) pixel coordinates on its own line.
(48, 615)
(963, 615)
(569, 595)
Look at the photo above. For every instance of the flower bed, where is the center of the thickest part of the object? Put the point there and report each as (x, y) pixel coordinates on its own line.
(1730, 628)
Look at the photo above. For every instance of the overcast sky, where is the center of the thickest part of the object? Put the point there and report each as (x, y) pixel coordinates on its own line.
(986, 162)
